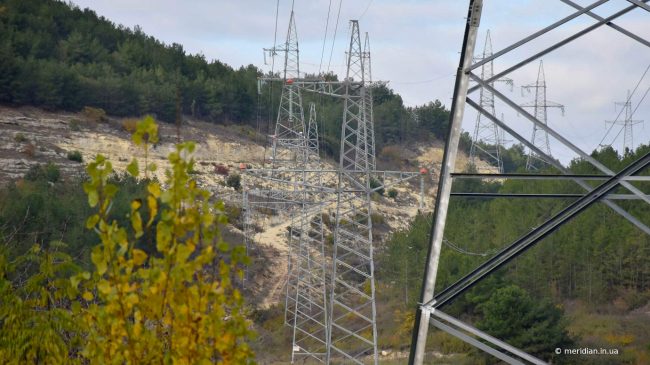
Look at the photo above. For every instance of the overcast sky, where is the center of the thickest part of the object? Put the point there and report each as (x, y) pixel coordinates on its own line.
(415, 46)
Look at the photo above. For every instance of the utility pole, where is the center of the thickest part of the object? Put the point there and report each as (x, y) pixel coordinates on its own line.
(487, 141)
(540, 110)
(430, 308)
(628, 124)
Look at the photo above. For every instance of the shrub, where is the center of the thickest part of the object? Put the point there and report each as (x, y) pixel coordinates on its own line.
(96, 115)
(75, 125)
(49, 172)
(75, 156)
(29, 150)
(20, 138)
(234, 181)
(392, 193)
(391, 153)
(130, 125)
(220, 169)
(176, 304)
(377, 218)
(374, 184)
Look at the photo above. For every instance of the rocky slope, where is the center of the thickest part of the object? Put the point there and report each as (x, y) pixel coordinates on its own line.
(30, 136)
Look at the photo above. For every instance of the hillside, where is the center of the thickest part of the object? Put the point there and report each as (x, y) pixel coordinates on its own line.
(30, 136)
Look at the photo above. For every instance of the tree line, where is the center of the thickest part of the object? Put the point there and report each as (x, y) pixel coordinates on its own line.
(58, 56)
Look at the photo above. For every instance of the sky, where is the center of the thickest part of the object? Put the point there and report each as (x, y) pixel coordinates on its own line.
(415, 46)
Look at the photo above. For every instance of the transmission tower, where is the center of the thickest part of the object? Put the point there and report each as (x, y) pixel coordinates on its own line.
(353, 329)
(540, 110)
(486, 141)
(430, 311)
(628, 124)
(347, 323)
(312, 134)
(367, 104)
(295, 148)
(289, 141)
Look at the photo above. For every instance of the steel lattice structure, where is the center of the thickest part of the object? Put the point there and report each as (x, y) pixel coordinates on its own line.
(540, 106)
(429, 312)
(628, 124)
(486, 140)
(329, 301)
(353, 326)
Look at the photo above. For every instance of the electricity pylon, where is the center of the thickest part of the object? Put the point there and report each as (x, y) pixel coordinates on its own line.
(486, 141)
(628, 124)
(540, 110)
(432, 301)
(289, 141)
(353, 327)
(367, 104)
(350, 314)
(295, 148)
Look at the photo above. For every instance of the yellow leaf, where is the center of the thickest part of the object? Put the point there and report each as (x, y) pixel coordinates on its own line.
(104, 287)
(88, 296)
(139, 256)
(136, 204)
(154, 189)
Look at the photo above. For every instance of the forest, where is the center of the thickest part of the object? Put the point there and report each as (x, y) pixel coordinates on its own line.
(57, 56)
(598, 262)
(60, 57)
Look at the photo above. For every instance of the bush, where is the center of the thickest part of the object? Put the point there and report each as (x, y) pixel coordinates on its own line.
(374, 184)
(234, 181)
(75, 125)
(176, 304)
(130, 125)
(220, 169)
(75, 156)
(49, 172)
(391, 153)
(29, 150)
(96, 115)
(392, 193)
(20, 138)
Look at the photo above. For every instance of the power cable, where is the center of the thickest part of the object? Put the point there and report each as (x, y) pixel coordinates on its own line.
(621, 111)
(327, 23)
(367, 7)
(466, 252)
(270, 106)
(338, 15)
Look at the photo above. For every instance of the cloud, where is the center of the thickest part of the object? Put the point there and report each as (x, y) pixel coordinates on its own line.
(415, 44)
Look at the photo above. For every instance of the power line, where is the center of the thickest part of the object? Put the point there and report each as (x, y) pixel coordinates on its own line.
(367, 7)
(338, 15)
(621, 111)
(640, 101)
(327, 23)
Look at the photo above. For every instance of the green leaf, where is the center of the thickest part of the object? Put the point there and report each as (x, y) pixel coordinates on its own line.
(92, 221)
(97, 257)
(133, 168)
(93, 198)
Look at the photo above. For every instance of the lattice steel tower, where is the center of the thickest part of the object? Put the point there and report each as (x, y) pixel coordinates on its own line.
(628, 124)
(289, 140)
(353, 330)
(487, 141)
(540, 110)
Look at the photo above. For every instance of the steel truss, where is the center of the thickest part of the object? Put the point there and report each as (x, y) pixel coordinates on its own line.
(429, 311)
(486, 141)
(335, 318)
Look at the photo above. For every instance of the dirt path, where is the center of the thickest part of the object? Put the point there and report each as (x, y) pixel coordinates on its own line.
(275, 237)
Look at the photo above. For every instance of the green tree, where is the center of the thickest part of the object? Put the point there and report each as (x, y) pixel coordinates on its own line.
(511, 315)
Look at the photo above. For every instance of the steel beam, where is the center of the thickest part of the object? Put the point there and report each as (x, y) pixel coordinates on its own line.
(533, 237)
(622, 212)
(421, 324)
